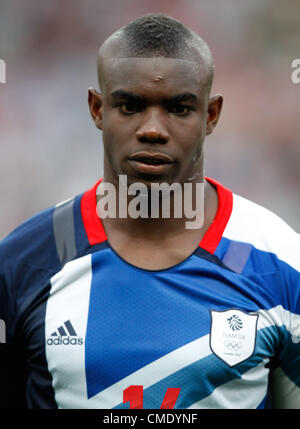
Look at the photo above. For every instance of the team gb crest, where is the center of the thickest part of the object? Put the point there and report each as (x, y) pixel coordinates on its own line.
(233, 335)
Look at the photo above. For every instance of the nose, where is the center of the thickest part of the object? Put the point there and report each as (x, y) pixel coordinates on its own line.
(152, 128)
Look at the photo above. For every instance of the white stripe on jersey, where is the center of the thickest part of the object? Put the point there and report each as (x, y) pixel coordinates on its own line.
(278, 316)
(254, 224)
(246, 392)
(66, 363)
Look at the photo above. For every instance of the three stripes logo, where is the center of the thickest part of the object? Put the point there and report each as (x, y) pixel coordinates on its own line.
(65, 335)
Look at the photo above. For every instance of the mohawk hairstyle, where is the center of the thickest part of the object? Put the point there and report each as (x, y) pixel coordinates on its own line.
(157, 34)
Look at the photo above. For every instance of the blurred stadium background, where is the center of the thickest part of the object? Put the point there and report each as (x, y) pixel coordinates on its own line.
(50, 149)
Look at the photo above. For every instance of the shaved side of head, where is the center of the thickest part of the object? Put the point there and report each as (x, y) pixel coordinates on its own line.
(157, 35)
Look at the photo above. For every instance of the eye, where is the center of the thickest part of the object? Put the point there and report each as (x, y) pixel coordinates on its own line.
(180, 109)
(129, 108)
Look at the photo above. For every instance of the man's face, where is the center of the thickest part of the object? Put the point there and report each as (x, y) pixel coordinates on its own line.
(154, 114)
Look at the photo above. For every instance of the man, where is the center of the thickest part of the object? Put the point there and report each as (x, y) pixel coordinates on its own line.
(125, 311)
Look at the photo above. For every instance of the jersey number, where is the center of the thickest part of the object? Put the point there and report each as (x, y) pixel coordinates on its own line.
(134, 395)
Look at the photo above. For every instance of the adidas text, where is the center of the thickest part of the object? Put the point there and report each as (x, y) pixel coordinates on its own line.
(65, 341)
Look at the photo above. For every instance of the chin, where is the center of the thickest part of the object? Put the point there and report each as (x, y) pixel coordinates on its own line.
(145, 179)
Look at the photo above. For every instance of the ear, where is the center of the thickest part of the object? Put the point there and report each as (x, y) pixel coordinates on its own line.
(213, 112)
(95, 100)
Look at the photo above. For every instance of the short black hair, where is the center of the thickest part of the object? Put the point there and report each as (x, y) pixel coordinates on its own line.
(156, 35)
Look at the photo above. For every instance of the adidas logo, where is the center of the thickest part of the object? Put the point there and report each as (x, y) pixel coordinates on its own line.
(66, 335)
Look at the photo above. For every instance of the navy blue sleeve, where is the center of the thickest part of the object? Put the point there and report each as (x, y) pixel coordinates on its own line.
(26, 255)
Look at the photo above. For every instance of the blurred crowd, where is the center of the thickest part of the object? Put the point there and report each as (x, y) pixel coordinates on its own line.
(49, 147)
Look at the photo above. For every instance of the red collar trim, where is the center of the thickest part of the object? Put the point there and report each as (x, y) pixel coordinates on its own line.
(96, 234)
(91, 221)
(214, 233)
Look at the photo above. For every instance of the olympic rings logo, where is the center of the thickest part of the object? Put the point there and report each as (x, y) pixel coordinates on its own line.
(233, 345)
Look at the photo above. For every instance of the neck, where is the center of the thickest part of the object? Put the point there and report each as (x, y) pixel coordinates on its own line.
(139, 207)
(158, 213)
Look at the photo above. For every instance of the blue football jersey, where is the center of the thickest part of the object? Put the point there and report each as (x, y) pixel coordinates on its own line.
(219, 330)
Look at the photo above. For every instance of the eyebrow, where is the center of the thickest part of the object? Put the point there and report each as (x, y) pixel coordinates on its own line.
(173, 99)
(120, 94)
(179, 98)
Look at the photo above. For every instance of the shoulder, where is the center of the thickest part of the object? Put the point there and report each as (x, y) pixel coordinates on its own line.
(44, 242)
(264, 230)
(51, 238)
(24, 243)
(34, 252)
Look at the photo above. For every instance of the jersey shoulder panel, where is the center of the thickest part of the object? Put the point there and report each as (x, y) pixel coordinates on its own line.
(47, 240)
(31, 243)
(257, 226)
(262, 247)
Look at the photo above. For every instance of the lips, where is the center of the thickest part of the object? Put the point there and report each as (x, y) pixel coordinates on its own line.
(151, 163)
(152, 158)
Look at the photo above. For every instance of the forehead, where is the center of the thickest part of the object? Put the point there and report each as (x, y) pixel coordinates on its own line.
(140, 74)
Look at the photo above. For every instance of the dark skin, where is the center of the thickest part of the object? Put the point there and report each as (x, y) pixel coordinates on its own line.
(158, 105)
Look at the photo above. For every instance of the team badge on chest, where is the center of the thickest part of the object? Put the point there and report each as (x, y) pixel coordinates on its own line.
(233, 335)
